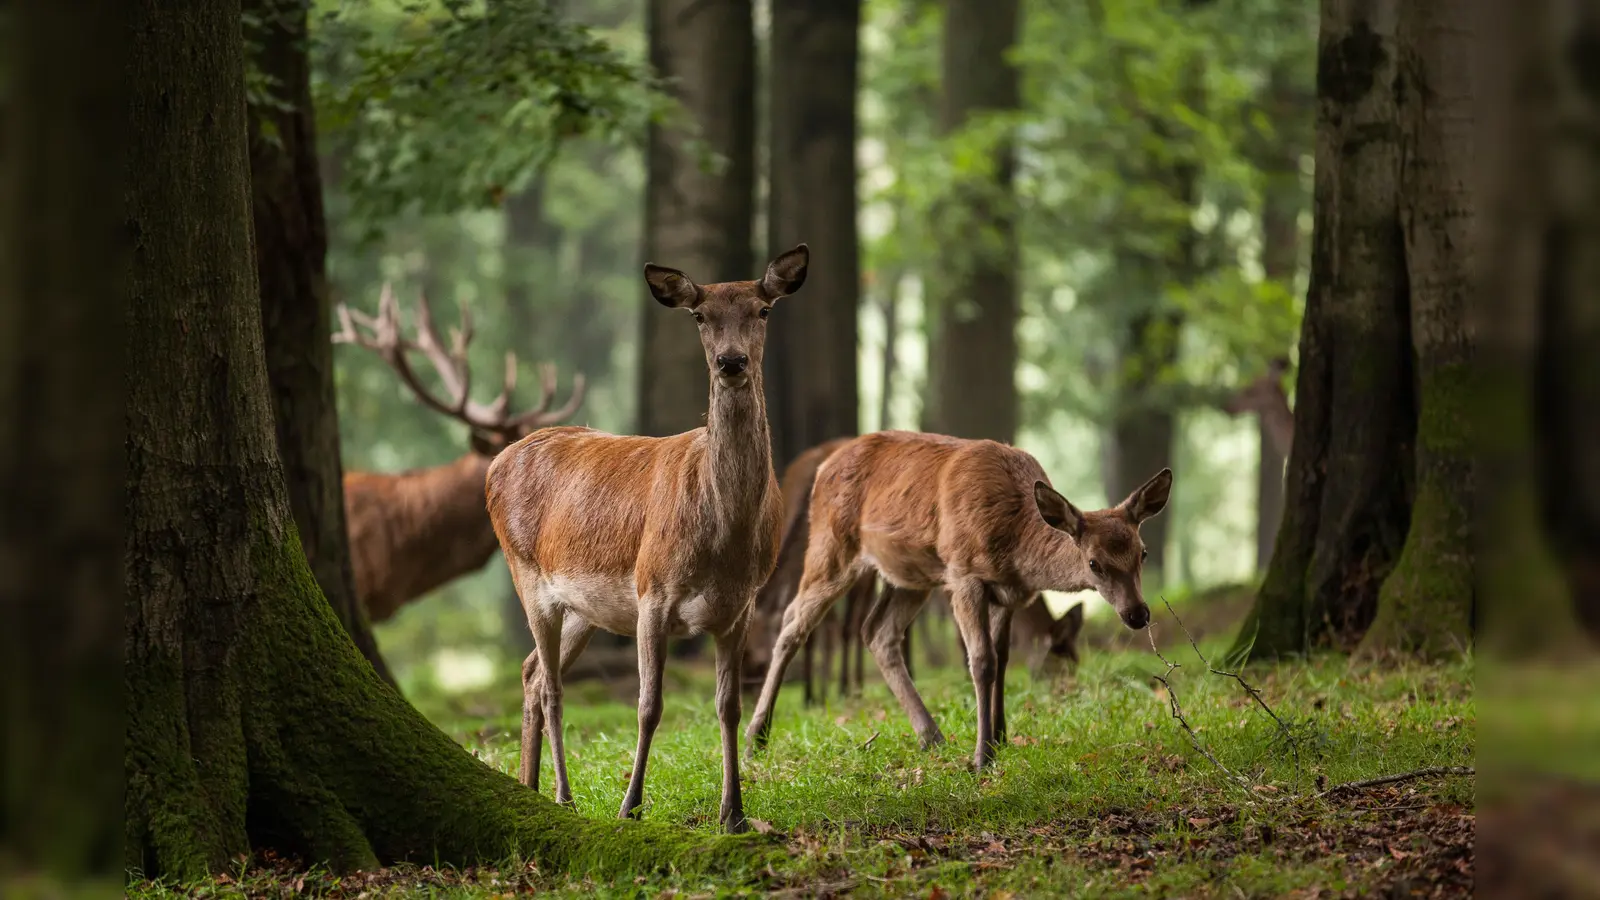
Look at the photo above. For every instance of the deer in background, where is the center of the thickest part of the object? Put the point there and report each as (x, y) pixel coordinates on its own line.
(975, 517)
(651, 537)
(415, 531)
(1266, 398)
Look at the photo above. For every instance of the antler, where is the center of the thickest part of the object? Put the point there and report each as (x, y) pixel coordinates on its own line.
(383, 337)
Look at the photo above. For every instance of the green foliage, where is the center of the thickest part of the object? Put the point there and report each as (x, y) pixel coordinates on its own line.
(451, 105)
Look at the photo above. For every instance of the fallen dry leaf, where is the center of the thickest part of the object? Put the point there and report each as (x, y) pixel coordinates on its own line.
(938, 893)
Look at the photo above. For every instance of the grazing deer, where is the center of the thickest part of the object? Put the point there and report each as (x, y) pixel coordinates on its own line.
(775, 595)
(976, 517)
(651, 537)
(1265, 397)
(414, 531)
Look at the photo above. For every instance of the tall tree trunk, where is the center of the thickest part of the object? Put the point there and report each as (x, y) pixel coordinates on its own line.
(972, 362)
(62, 262)
(1350, 467)
(1426, 603)
(291, 242)
(252, 720)
(811, 357)
(1281, 204)
(1529, 321)
(695, 220)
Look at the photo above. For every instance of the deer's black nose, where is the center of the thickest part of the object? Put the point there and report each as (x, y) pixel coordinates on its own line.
(1137, 618)
(731, 364)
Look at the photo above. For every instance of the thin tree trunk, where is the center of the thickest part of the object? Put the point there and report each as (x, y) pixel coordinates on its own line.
(1350, 468)
(62, 262)
(697, 221)
(1425, 606)
(811, 356)
(1281, 205)
(891, 337)
(252, 720)
(291, 241)
(972, 361)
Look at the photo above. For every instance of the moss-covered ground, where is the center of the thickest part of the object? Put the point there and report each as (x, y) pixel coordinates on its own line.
(1100, 793)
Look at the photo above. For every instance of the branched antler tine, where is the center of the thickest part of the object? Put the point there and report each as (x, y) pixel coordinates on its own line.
(347, 328)
(539, 418)
(494, 415)
(451, 371)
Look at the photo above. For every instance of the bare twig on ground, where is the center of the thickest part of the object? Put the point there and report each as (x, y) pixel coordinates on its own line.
(868, 742)
(1393, 779)
(1249, 689)
(1177, 713)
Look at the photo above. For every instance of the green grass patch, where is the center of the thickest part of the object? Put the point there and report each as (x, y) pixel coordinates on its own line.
(1100, 793)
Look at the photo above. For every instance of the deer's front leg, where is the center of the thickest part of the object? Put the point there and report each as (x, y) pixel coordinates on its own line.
(652, 641)
(970, 605)
(730, 659)
(1000, 638)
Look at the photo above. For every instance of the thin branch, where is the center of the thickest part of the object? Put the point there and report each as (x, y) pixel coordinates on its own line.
(1403, 776)
(1177, 713)
(1288, 734)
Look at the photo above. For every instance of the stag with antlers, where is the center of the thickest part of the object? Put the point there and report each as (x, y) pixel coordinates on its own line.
(414, 531)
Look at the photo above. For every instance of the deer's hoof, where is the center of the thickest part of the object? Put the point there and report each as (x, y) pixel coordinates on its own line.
(930, 741)
(736, 824)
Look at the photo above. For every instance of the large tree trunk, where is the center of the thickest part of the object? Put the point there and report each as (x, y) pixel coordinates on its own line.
(62, 260)
(972, 359)
(1351, 464)
(695, 220)
(1426, 604)
(1282, 201)
(811, 354)
(252, 720)
(291, 264)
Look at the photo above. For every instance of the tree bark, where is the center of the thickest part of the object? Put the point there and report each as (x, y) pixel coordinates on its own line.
(291, 242)
(697, 221)
(1425, 606)
(1350, 468)
(62, 262)
(811, 364)
(972, 362)
(252, 720)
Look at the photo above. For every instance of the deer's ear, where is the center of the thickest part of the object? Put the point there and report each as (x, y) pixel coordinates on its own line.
(1150, 498)
(786, 273)
(1058, 513)
(671, 287)
(486, 444)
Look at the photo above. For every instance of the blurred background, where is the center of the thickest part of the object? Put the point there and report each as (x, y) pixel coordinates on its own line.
(1079, 227)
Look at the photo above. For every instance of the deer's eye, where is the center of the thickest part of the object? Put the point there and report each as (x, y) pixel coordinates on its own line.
(1144, 554)
(699, 319)
(1094, 566)
(764, 311)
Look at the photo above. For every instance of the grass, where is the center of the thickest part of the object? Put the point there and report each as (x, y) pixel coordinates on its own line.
(1099, 794)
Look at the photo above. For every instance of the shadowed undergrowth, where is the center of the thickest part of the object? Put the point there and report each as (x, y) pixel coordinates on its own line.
(1100, 792)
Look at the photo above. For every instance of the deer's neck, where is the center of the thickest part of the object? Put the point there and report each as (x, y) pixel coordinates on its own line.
(1054, 561)
(738, 460)
(1278, 420)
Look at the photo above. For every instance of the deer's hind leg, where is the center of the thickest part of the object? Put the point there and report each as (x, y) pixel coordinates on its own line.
(884, 631)
(575, 634)
(829, 573)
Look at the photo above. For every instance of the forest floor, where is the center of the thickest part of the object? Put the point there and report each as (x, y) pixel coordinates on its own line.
(1100, 793)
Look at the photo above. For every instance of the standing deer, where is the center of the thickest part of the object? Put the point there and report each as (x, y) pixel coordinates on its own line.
(651, 537)
(414, 531)
(976, 517)
(1265, 397)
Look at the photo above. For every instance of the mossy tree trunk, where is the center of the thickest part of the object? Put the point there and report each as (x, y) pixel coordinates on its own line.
(62, 252)
(252, 719)
(972, 356)
(696, 220)
(1348, 485)
(291, 242)
(811, 352)
(1425, 606)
